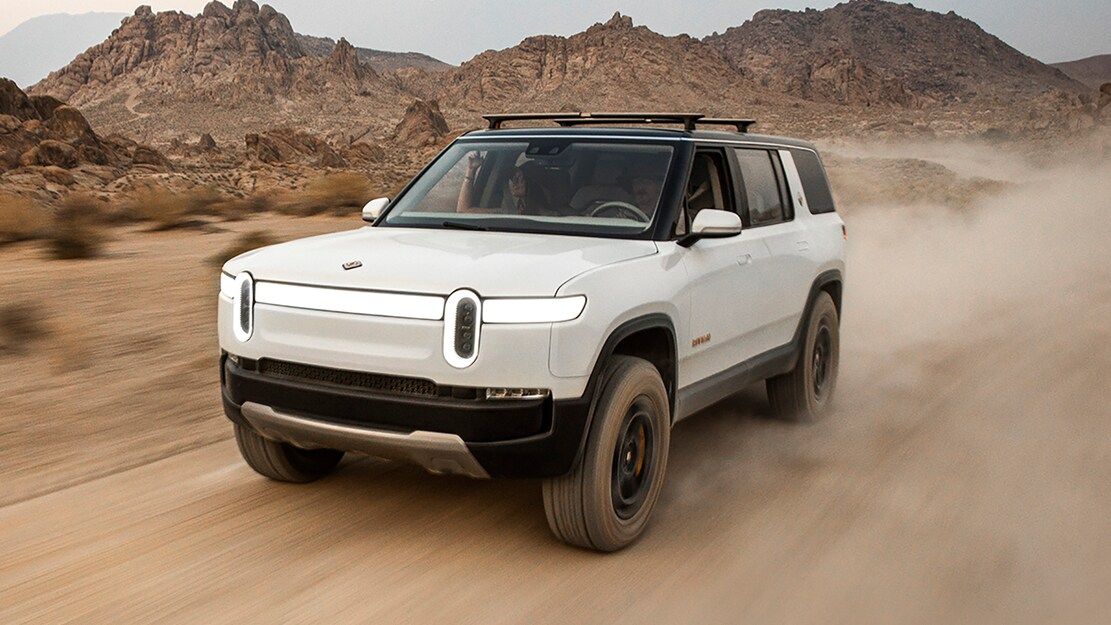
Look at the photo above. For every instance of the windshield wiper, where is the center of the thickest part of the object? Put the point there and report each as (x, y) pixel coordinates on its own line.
(462, 225)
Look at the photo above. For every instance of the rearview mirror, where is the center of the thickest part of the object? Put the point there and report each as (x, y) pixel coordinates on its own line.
(373, 209)
(712, 223)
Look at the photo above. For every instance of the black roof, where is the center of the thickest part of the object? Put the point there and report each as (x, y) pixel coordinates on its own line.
(646, 132)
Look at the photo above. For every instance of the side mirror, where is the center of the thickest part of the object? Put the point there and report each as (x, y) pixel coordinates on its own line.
(711, 223)
(373, 209)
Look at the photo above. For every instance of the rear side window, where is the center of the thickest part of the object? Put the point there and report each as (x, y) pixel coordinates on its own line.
(814, 181)
(761, 187)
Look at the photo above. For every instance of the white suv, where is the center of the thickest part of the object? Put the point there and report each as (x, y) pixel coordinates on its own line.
(544, 303)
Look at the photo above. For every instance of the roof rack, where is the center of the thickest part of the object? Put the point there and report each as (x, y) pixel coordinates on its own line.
(688, 120)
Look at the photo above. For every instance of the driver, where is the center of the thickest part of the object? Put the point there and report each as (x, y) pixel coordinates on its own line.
(646, 193)
(525, 196)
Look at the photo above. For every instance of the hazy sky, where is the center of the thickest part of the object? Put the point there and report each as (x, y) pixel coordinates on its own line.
(455, 31)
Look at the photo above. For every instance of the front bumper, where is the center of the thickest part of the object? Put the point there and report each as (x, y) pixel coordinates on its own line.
(444, 433)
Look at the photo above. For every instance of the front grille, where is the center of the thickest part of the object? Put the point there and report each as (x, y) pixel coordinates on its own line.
(379, 383)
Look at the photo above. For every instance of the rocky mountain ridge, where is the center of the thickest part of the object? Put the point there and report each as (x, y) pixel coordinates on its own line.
(873, 52)
(861, 66)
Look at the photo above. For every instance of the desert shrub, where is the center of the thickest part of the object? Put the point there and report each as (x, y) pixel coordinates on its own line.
(78, 228)
(84, 208)
(21, 219)
(21, 323)
(243, 243)
(72, 240)
(339, 194)
(236, 208)
(167, 209)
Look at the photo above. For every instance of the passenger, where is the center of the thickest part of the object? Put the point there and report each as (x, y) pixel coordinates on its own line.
(524, 197)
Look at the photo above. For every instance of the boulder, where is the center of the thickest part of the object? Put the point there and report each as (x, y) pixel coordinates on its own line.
(329, 158)
(68, 124)
(16, 103)
(206, 143)
(57, 175)
(45, 105)
(50, 152)
(262, 148)
(146, 155)
(423, 124)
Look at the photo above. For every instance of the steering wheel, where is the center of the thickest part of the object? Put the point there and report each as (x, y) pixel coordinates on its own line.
(620, 207)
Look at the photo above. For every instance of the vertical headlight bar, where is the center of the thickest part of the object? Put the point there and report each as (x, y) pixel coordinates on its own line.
(462, 326)
(243, 307)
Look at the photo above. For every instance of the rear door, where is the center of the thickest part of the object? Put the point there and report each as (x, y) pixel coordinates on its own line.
(726, 289)
(769, 216)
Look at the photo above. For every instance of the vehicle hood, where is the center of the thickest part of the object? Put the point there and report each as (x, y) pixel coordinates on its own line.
(421, 260)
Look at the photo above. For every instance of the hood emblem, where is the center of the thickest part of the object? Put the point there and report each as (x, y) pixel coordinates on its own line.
(352, 264)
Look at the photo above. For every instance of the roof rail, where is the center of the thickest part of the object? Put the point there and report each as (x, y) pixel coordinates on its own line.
(688, 120)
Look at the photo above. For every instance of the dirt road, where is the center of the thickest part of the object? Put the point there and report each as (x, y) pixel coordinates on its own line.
(964, 478)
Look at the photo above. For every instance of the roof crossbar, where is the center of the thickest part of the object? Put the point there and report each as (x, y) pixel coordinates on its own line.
(689, 121)
(742, 125)
(496, 120)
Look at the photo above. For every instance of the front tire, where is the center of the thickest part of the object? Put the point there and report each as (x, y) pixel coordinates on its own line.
(806, 392)
(605, 501)
(284, 462)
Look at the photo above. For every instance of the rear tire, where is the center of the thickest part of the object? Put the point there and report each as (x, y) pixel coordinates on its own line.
(806, 392)
(605, 501)
(284, 462)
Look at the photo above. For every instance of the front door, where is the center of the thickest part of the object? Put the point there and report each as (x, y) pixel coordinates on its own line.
(725, 286)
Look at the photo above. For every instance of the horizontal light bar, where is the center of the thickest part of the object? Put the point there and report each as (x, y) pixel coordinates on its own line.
(227, 285)
(533, 309)
(374, 303)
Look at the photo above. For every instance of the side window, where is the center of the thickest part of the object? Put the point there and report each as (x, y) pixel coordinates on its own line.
(762, 191)
(814, 182)
(707, 187)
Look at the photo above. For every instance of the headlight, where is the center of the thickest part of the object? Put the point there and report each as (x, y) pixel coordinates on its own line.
(243, 307)
(533, 309)
(227, 285)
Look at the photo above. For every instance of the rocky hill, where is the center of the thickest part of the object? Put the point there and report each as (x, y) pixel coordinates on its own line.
(869, 52)
(224, 71)
(380, 60)
(614, 65)
(47, 147)
(1094, 71)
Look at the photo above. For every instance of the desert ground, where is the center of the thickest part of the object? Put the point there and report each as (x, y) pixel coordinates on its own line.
(964, 477)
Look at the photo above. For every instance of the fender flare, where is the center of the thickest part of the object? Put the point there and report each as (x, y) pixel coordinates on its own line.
(648, 321)
(831, 276)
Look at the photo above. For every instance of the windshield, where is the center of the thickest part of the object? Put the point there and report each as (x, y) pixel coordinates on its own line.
(557, 185)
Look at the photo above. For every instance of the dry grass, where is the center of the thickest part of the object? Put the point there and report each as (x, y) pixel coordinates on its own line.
(21, 324)
(243, 243)
(340, 194)
(21, 219)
